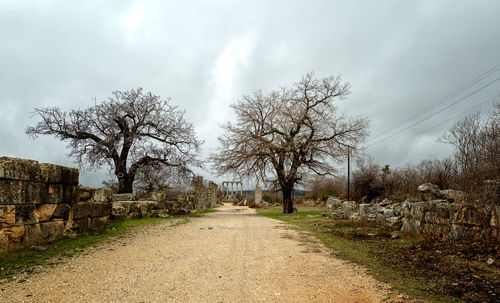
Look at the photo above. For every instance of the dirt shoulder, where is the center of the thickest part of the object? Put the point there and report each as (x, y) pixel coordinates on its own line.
(231, 255)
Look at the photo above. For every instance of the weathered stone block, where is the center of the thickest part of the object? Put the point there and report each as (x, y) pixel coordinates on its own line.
(11, 192)
(410, 226)
(429, 192)
(19, 169)
(33, 234)
(85, 194)
(70, 193)
(80, 210)
(123, 197)
(55, 193)
(100, 209)
(368, 211)
(7, 215)
(121, 208)
(441, 208)
(434, 218)
(25, 214)
(11, 238)
(52, 230)
(50, 173)
(418, 209)
(406, 208)
(397, 209)
(103, 195)
(69, 176)
(61, 211)
(80, 225)
(35, 193)
(388, 213)
(98, 224)
(44, 212)
(453, 195)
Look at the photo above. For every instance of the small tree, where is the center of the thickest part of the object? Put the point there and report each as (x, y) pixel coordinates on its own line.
(283, 135)
(131, 131)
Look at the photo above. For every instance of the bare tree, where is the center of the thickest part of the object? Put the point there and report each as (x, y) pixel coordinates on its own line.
(283, 135)
(131, 131)
(465, 137)
(477, 146)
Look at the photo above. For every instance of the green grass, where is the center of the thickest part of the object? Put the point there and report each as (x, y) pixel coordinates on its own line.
(349, 242)
(202, 213)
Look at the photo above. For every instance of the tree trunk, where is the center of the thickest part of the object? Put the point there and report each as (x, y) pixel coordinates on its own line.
(125, 183)
(287, 199)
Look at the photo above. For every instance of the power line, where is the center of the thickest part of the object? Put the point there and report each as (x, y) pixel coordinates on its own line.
(447, 97)
(439, 111)
(439, 124)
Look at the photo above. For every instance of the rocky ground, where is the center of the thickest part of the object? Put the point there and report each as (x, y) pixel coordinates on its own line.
(231, 255)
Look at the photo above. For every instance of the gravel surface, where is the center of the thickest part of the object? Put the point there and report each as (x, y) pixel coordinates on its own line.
(231, 255)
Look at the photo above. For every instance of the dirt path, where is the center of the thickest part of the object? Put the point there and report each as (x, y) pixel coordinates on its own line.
(231, 255)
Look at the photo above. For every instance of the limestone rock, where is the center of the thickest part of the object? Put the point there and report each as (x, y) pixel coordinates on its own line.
(410, 226)
(453, 195)
(429, 192)
(7, 215)
(123, 197)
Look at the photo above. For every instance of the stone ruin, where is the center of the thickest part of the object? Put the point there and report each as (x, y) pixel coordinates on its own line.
(41, 202)
(232, 191)
(441, 213)
(257, 195)
(199, 197)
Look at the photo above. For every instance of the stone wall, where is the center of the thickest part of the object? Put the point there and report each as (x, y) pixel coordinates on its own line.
(198, 198)
(440, 213)
(41, 202)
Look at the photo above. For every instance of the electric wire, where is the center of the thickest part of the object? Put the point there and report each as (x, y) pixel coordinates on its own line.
(446, 98)
(441, 123)
(435, 113)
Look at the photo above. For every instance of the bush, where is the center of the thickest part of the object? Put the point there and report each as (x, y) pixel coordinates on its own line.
(267, 197)
(321, 188)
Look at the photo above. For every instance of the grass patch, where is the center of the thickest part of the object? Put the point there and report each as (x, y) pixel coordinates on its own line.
(25, 260)
(436, 275)
(202, 213)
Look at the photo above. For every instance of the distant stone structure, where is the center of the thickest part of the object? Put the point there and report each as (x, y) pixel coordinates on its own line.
(41, 202)
(257, 195)
(231, 190)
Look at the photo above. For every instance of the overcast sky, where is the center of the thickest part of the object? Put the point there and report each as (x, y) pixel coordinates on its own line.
(400, 57)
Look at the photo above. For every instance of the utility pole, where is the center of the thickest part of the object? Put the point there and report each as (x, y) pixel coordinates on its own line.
(348, 173)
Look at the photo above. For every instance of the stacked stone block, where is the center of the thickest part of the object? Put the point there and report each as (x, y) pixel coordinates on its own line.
(35, 201)
(90, 210)
(213, 189)
(41, 202)
(199, 198)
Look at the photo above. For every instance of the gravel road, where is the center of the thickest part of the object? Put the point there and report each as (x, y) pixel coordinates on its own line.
(231, 255)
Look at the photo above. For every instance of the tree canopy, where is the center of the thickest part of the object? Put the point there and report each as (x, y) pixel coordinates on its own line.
(132, 131)
(286, 134)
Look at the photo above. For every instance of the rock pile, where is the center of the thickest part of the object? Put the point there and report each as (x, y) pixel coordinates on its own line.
(443, 213)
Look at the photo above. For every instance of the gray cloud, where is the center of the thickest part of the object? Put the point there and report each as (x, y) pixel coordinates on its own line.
(400, 58)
